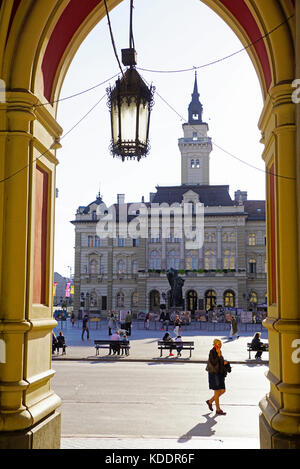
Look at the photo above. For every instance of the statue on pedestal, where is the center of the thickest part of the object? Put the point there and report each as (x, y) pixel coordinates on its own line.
(176, 284)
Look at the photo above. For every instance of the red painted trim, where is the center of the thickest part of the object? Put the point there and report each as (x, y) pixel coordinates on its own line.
(69, 22)
(272, 237)
(40, 236)
(241, 12)
(77, 10)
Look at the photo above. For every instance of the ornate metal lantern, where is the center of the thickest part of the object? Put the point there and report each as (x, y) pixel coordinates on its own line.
(130, 103)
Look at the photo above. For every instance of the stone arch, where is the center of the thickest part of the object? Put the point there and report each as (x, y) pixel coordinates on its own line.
(33, 70)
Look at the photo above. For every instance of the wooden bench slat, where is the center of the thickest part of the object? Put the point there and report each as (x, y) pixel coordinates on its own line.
(124, 345)
(251, 349)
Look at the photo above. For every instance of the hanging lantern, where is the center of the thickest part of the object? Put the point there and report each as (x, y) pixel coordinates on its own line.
(130, 103)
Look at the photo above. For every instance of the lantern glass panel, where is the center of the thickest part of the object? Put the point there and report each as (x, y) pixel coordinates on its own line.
(128, 120)
(115, 123)
(143, 122)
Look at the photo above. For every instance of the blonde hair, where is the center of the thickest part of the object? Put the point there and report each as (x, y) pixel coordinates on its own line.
(217, 342)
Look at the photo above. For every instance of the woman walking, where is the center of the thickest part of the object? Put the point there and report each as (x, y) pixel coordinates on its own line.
(177, 324)
(216, 376)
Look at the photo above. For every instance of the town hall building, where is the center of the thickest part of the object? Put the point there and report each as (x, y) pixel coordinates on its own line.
(227, 268)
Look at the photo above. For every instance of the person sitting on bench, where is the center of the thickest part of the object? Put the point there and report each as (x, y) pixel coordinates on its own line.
(116, 346)
(258, 345)
(167, 339)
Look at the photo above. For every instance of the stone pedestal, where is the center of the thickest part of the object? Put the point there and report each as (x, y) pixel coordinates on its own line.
(44, 435)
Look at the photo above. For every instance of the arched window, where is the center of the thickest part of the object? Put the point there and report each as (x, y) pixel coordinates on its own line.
(121, 269)
(192, 163)
(210, 299)
(252, 266)
(97, 241)
(229, 261)
(210, 260)
(154, 261)
(253, 298)
(173, 259)
(229, 299)
(197, 164)
(120, 299)
(191, 300)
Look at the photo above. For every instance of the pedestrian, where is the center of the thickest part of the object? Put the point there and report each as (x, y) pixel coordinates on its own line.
(61, 342)
(111, 323)
(258, 345)
(177, 324)
(233, 328)
(167, 320)
(128, 322)
(73, 319)
(85, 328)
(147, 321)
(162, 320)
(216, 375)
(115, 347)
(54, 342)
(168, 339)
(179, 345)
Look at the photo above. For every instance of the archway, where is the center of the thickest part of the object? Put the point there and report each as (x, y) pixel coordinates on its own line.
(154, 300)
(191, 301)
(37, 43)
(210, 300)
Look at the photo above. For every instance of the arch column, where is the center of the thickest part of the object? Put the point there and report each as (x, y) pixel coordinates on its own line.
(279, 421)
(27, 403)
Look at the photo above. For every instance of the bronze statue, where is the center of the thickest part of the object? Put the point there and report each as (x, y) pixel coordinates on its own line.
(176, 284)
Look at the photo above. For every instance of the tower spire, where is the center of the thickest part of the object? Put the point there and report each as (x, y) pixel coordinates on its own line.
(195, 107)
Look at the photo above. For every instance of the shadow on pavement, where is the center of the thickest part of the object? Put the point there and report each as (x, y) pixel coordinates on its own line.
(201, 429)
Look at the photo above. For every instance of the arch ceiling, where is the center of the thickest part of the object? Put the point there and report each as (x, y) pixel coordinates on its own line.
(65, 23)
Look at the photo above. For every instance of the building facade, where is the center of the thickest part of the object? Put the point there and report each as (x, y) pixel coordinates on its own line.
(127, 269)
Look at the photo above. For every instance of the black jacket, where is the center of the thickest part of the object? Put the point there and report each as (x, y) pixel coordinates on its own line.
(215, 364)
(256, 343)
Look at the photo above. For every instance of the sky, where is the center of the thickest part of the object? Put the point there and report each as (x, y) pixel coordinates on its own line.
(168, 35)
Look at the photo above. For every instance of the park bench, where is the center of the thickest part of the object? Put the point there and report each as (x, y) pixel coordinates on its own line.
(251, 349)
(110, 344)
(168, 345)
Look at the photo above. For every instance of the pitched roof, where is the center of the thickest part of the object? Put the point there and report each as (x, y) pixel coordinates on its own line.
(212, 196)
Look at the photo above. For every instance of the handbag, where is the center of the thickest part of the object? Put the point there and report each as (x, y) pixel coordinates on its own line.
(227, 369)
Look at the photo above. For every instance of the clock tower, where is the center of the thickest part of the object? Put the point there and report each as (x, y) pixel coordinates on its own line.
(195, 146)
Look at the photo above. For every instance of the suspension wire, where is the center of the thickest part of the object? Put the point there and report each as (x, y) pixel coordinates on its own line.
(131, 39)
(112, 38)
(77, 94)
(164, 71)
(214, 62)
(50, 148)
